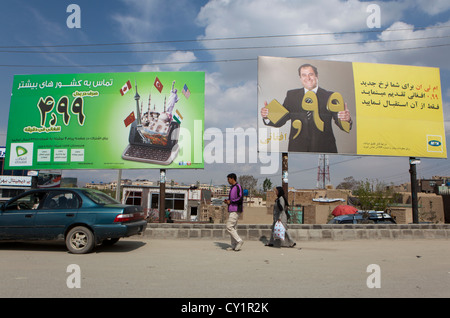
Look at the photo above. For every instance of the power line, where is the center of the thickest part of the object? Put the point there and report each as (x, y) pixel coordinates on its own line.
(331, 164)
(225, 48)
(221, 39)
(218, 61)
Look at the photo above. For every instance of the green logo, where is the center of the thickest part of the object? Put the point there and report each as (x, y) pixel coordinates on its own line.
(21, 151)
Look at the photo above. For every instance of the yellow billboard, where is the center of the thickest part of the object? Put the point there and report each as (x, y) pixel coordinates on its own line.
(399, 110)
(350, 108)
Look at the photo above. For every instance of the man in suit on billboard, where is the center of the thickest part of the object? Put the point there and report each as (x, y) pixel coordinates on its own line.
(311, 110)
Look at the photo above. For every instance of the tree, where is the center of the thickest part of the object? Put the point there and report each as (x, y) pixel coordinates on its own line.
(349, 183)
(267, 185)
(373, 195)
(248, 182)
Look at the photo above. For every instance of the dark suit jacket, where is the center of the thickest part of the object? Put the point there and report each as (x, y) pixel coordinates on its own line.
(310, 139)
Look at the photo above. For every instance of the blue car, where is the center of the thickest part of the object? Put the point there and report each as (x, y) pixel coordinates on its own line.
(364, 217)
(82, 217)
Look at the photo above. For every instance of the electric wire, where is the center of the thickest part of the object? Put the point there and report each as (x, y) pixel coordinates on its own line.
(226, 48)
(225, 38)
(217, 61)
(76, 65)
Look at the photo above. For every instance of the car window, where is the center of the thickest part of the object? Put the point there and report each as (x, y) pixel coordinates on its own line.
(100, 197)
(61, 200)
(31, 201)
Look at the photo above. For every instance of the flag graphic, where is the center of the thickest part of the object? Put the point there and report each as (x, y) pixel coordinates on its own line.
(178, 113)
(186, 92)
(129, 119)
(125, 88)
(158, 84)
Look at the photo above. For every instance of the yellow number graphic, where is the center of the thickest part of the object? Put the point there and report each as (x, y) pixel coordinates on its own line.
(336, 104)
(310, 103)
(297, 124)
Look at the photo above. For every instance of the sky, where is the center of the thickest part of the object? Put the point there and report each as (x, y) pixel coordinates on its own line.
(223, 38)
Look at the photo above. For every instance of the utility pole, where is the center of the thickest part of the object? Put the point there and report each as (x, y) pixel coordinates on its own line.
(119, 184)
(412, 170)
(162, 195)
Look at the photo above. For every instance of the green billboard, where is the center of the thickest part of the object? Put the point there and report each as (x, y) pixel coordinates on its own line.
(106, 121)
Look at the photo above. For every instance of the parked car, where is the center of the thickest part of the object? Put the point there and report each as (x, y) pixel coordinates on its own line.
(82, 217)
(364, 217)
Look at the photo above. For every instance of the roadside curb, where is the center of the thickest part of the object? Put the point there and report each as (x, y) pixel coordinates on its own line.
(301, 232)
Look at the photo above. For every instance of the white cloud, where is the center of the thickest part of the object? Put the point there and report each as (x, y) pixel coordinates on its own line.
(433, 7)
(233, 106)
(322, 19)
(427, 53)
(155, 23)
(249, 17)
(279, 17)
(140, 21)
(172, 62)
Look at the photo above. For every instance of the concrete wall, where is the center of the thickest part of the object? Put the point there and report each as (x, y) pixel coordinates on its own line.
(431, 207)
(301, 232)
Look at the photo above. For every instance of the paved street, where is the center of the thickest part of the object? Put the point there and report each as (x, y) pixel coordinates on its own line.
(203, 268)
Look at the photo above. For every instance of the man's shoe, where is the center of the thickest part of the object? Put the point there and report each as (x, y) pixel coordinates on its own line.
(238, 246)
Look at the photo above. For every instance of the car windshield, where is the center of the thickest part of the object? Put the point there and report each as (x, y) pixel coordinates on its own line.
(100, 197)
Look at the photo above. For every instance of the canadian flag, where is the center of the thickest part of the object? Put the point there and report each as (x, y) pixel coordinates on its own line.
(125, 88)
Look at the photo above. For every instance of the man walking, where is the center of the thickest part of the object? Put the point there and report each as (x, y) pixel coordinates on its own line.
(234, 202)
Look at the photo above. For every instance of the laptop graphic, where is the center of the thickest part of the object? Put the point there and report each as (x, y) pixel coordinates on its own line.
(154, 136)
(159, 149)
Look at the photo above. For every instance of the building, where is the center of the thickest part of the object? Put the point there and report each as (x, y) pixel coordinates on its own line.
(316, 205)
(181, 203)
(433, 199)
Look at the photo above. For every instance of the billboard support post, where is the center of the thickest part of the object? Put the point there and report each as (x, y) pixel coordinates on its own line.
(162, 195)
(284, 174)
(412, 170)
(119, 184)
(34, 182)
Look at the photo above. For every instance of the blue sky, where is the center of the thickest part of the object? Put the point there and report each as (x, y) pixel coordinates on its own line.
(184, 29)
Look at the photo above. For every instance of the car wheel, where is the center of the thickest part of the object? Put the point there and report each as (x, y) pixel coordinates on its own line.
(80, 240)
(110, 241)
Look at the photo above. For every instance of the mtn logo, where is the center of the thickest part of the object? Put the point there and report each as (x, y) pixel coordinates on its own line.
(435, 143)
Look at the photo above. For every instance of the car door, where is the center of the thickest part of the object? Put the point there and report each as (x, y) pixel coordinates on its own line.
(59, 210)
(17, 217)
